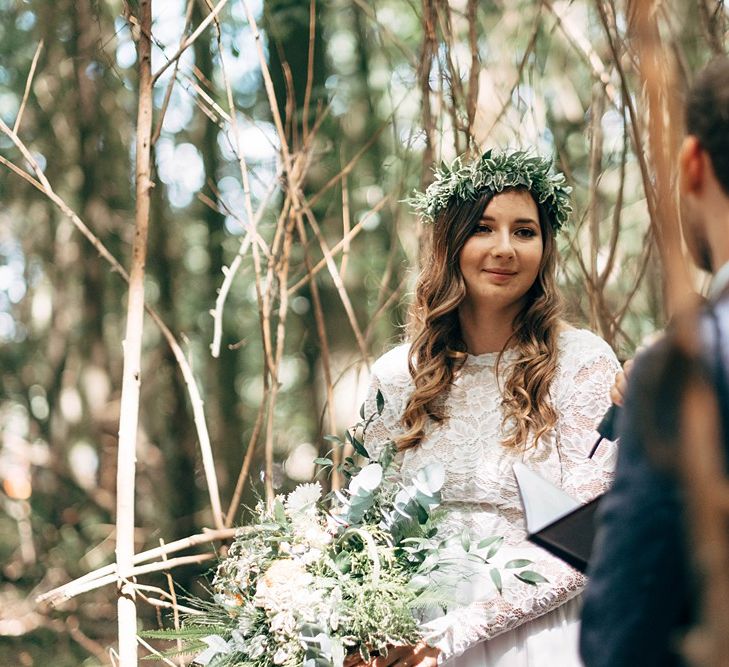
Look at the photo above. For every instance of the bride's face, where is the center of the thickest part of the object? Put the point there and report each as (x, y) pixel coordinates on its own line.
(501, 259)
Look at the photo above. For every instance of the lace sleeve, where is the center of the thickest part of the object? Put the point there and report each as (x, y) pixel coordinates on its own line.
(461, 628)
(385, 426)
(581, 396)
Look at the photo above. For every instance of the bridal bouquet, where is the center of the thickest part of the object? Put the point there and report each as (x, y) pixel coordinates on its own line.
(314, 579)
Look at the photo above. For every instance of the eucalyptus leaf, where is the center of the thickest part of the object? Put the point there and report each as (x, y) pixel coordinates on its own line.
(368, 478)
(496, 578)
(488, 541)
(428, 501)
(360, 448)
(430, 479)
(531, 577)
(494, 548)
(475, 558)
(279, 514)
(380, 400)
(323, 462)
(387, 454)
(518, 562)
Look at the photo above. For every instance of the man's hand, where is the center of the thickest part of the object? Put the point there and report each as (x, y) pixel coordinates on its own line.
(420, 655)
(620, 387)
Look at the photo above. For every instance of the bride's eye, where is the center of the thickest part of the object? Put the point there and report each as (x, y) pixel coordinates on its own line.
(481, 228)
(526, 232)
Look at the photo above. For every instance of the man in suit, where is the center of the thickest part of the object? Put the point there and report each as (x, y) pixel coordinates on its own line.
(639, 598)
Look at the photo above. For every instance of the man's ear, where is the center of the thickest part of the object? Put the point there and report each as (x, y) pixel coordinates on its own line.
(691, 164)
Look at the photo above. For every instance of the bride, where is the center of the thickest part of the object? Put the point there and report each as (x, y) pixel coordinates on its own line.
(491, 376)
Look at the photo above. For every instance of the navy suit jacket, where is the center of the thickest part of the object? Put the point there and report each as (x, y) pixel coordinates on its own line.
(639, 596)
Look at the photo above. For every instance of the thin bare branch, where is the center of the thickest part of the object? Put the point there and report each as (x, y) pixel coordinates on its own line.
(339, 284)
(309, 69)
(248, 459)
(173, 78)
(229, 273)
(190, 40)
(28, 85)
(353, 232)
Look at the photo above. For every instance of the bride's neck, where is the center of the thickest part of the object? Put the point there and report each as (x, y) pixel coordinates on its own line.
(486, 329)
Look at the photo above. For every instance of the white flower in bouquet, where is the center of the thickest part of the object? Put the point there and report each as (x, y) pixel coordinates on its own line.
(281, 656)
(283, 583)
(284, 622)
(317, 537)
(256, 647)
(303, 500)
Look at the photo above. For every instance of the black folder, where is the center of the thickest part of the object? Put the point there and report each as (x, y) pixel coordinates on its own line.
(555, 521)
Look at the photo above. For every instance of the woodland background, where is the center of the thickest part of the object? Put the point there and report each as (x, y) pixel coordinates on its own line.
(280, 255)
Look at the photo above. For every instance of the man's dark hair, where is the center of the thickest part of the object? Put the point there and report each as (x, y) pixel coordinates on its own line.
(707, 115)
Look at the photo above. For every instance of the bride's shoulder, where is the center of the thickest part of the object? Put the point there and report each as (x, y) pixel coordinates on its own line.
(583, 344)
(392, 366)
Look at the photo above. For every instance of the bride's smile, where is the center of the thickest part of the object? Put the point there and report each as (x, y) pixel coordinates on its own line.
(501, 259)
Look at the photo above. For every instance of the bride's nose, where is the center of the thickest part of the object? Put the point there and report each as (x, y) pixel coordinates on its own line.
(503, 246)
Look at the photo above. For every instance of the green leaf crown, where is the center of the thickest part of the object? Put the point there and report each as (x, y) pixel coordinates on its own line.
(495, 172)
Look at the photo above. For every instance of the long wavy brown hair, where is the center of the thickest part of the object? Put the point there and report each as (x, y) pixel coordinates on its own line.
(437, 350)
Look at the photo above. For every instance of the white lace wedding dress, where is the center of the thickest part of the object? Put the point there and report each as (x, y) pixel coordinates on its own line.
(529, 626)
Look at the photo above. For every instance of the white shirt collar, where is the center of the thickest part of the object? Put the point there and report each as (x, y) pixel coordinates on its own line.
(719, 282)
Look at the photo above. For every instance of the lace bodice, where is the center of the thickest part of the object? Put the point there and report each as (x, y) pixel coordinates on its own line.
(480, 493)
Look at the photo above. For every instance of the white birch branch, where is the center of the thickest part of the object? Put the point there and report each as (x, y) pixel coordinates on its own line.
(132, 346)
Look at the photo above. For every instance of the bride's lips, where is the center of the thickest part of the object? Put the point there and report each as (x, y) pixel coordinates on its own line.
(500, 275)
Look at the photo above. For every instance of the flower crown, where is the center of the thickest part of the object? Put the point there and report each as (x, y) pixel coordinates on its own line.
(494, 172)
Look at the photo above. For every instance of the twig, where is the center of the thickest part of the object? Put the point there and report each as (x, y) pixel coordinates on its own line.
(617, 211)
(353, 232)
(28, 84)
(583, 46)
(475, 71)
(280, 337)
(309, 70)
(173, 78)
(247, 460)
(141, 557)
(229, 273)
(347, 168)
(368, 9)
(155, 652)
(341, 289)
(519, 70)
(189, 41)
(346, 227)
(175, 609)
(325, 355)
(99, 582)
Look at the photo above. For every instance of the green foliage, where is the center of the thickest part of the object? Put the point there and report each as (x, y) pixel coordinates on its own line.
(493, 172)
